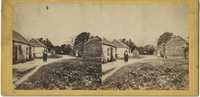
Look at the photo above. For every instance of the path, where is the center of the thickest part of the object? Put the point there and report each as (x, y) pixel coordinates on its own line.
(38, 64)
(116, 65)
(22, 67)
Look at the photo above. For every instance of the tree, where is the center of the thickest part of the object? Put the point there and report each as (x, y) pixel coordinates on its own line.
(125, 41)
(41, 40)
(67, 49)
(58, 49)
(129, 43)
(141, 50)
(164, 38)
(47, 43)
(82, 37)
(149, 49)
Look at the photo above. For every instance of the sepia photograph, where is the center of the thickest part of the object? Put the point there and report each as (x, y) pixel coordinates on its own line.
(58, 46)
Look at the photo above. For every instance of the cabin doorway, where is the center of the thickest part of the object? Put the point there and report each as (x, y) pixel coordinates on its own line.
(111, 54)
(30, 54)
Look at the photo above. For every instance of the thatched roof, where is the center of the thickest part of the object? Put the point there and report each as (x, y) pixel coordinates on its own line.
(36, 43)
(17, 37)
(119, 44)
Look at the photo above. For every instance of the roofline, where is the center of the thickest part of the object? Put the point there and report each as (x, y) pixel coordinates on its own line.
(33, 44)
(88, 41)
(120, 42)
(175, 36)
(109, 45)
(22, 42)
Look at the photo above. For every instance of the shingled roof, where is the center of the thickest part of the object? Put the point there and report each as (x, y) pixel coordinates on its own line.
(119, 44)
(106, 42)
(17, 37)
(36, 43)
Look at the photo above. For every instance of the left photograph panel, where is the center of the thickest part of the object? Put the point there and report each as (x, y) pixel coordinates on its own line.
(46, 56)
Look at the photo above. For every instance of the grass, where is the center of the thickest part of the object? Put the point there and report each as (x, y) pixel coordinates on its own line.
(76, 74)
(150, 74)
(73, 74)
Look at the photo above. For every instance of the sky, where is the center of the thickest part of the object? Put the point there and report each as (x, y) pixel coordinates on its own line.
(62, 23)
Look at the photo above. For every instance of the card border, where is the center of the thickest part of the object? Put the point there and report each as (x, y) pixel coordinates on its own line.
(6, 67)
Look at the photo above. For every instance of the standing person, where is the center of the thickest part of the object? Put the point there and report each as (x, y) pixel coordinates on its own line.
(43, 56)
(126, 56)
(46, 55)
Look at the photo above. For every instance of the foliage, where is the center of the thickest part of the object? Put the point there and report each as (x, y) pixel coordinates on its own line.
(141, 50)
(146, 50)
(80, 40)
(63, 49)
(82, 37)
(164, 38)
(67, 49)
(47, 42)
(58, 49)
(149, 49)
(129, 43)
(172, 75)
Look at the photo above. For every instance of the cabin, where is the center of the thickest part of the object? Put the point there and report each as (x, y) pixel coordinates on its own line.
(120, 48)
(22, 49)
(99, 49)
(135, 53)
(38, 48)
(175, 47)
(109, 51)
